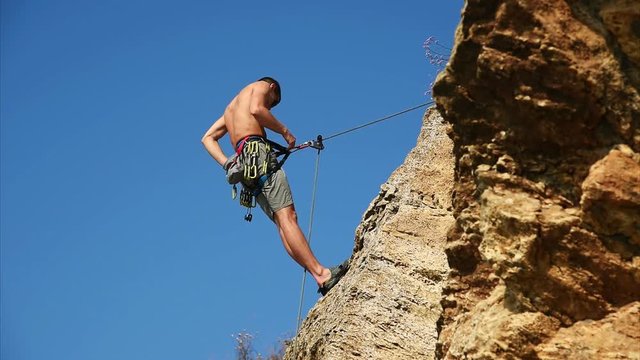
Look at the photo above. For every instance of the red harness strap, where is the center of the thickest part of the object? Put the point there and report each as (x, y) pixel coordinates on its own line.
(241, 143)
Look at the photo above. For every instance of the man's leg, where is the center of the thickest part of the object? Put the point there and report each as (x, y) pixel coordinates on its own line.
(276, 194)
(296, 244)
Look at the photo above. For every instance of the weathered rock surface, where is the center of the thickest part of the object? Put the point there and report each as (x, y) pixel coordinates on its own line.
(388, 304)
(602, 339)
(543, 97)
(542, 260)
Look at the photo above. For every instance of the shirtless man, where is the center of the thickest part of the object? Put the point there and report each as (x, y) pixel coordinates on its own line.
(245, 119)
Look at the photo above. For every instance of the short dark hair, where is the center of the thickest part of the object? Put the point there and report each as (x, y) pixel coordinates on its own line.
(271, 80)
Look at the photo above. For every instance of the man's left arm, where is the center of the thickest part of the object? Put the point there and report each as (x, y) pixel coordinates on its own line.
(259, 110)
(210, 140)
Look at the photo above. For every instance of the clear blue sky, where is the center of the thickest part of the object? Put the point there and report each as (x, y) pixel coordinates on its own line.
(119, 239)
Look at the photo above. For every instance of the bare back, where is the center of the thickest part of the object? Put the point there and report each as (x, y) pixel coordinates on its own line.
(238, 117)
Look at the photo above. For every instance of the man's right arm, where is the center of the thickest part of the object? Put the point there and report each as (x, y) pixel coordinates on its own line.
(210, 140)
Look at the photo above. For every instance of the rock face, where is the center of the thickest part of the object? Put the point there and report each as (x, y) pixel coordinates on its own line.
(543, 97)
(519, 238)
(388, 304)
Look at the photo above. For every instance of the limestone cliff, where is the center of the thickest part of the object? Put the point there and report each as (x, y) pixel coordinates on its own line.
(388, 304)
(518, 234)
(545, 252)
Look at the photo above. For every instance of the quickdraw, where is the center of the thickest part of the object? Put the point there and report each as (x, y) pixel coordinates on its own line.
(248, 200)
(249, 159)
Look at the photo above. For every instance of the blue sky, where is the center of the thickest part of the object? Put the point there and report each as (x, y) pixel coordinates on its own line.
(119, 239)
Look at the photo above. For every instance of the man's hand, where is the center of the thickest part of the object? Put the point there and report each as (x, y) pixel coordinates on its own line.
(289, 138)
(230, 161)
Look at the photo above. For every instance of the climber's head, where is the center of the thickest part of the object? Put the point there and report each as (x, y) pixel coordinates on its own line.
(274, 87)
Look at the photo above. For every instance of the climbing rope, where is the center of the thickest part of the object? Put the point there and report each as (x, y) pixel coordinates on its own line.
(309, 232)
(379, 120)
(319, 145)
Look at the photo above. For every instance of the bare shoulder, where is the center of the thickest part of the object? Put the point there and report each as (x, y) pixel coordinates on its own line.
(243, 95)
(251, 88)
(259, 86)
(258, 89)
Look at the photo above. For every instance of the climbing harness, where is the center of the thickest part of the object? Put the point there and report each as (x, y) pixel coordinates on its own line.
(255, 175)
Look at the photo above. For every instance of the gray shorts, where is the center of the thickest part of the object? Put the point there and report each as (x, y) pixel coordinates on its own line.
(275, 193)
